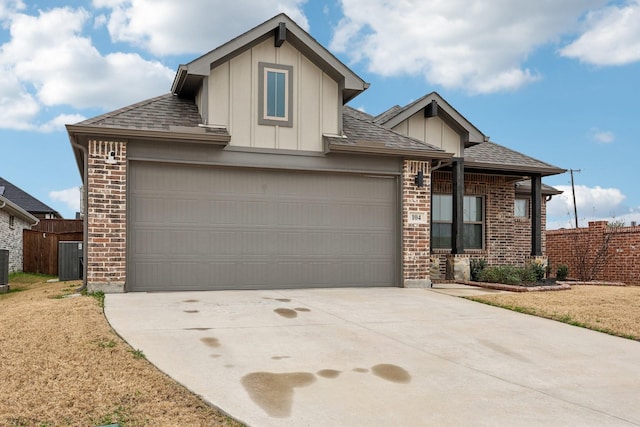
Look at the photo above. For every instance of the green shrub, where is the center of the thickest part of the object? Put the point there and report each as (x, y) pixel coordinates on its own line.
(477, 265)
(562, 272)
(538, 271)
(507, 274)
(511, 275)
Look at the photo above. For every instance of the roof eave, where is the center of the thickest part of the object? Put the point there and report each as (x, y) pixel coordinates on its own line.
(514, 169)
(363, 147)
(193, 135)
(17, 210)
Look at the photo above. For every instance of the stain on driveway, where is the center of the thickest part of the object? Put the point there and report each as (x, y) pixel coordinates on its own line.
(379, 357)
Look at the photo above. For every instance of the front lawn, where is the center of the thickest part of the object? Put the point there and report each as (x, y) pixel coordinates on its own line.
(61, 364)
(611, 309)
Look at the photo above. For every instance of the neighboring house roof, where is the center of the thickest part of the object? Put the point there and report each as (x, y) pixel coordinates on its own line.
(15, 210)
(493, 157)
(189, 76)
(361, 134)
(396, 115)
(24, 200)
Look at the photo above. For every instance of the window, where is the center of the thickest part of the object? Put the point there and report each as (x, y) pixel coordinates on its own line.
(521, 208)
(442, 221)
(12, 221)
(276, 95)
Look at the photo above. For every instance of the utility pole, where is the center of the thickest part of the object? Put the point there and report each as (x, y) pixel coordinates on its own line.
(573, 191)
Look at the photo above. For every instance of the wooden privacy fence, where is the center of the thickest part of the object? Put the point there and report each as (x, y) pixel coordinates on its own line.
(40, 245)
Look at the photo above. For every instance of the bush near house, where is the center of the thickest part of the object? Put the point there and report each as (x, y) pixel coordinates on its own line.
(511, 275)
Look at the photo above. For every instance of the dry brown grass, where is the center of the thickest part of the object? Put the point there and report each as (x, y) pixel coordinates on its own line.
(611, 309)
(61, 364)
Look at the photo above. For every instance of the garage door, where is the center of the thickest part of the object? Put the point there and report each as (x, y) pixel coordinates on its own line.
(203, 228)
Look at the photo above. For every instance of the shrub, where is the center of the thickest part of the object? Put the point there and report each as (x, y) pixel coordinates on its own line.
(537, 271)
(562, 272)
(510, 275)
(506, 274)
(477, 265)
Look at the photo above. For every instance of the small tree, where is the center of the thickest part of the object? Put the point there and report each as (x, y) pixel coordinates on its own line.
(589, 257)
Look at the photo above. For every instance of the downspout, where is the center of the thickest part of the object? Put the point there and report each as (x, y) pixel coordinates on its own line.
(3, 205)
(85, 202)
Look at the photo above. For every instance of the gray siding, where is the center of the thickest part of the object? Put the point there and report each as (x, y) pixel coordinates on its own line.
(200, 228)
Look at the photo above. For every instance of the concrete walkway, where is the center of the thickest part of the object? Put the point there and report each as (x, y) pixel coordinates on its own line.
(381, 357)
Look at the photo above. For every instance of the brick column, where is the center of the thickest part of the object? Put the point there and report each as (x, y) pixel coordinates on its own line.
(105, 267)
(416, 224)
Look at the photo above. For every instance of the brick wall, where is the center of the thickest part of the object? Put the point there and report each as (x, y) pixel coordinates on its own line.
(11, 238)
(106, 216)
(415, 234)
(507, 239)
(623, 263)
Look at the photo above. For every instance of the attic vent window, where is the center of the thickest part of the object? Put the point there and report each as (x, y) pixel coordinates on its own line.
(276, 95)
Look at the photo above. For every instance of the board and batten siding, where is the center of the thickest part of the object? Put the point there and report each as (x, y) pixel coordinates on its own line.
(233, 100)
(431, 130)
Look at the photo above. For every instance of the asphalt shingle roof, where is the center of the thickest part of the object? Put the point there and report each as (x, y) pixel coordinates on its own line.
(24, 199)
(358, 127)
(490, 153)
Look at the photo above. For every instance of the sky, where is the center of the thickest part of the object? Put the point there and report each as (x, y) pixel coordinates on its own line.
(556, 80)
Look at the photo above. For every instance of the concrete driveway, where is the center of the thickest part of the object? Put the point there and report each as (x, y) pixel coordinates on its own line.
(380, 357)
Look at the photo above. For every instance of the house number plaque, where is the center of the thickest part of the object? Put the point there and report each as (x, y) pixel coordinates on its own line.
(417, 218)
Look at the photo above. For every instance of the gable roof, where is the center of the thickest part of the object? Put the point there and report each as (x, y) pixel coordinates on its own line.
(24, 200)
(493, 157)
(396, 115)
(189, 76)
(362, 135)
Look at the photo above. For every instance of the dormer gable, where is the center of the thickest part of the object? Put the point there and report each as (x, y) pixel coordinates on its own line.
(433, 120)
(273, 87)
(282, 29)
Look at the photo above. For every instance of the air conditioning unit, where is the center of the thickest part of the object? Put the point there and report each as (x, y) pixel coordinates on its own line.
(4, 267)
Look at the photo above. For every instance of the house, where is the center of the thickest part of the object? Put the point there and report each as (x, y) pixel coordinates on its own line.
(26, 201)
(13, 220)
(253, 173)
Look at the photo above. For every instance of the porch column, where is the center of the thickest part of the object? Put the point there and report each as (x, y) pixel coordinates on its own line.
(536, 215)
(457, 231)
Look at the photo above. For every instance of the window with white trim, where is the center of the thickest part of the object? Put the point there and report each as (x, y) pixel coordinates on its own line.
(12, 221)
(442, 221)
(521, 208)
(275, 92)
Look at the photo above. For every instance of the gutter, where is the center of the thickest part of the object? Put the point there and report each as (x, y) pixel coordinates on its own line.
(6, 203)
(85, 200)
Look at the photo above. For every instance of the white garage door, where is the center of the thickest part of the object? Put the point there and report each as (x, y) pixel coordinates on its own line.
(204, 228)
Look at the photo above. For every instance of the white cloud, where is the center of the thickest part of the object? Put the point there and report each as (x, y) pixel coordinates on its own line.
(58, 122)
(592, 203)
(166, 27)
(70, 197)
(48, 62)
(477, 45)
(612, 36)
(604, 137)
(9, 7)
